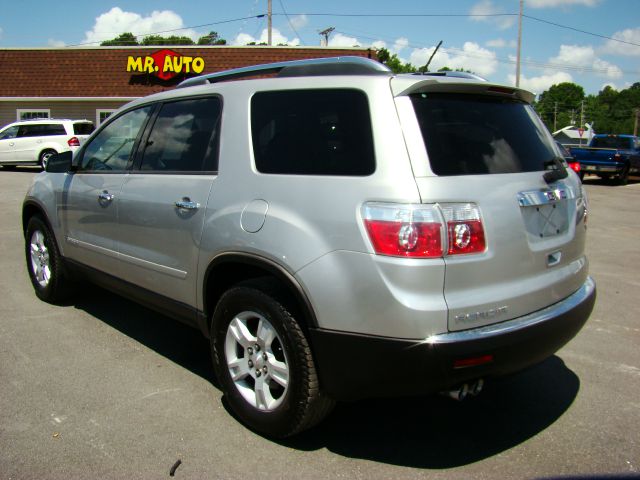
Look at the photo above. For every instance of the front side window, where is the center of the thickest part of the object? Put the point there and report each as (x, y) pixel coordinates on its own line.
(111, 148)
(312, 132)
(9, 133)
(473, 134)
(184, 137)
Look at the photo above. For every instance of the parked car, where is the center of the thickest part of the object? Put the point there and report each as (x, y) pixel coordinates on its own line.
(32, 142)
(610, 157)
(337, 231)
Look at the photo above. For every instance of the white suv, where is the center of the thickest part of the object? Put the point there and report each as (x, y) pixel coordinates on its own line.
(32, 142)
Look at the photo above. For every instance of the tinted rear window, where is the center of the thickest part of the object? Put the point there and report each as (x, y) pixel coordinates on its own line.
(620, 143)
(472, 134)
(42, 130)
(84, 128)
(312, 132)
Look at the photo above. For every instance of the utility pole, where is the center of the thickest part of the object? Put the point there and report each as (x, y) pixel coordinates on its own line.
(519, 44)
(635, 123)
(324, 41)
(581, 119)
(555, 117)
(269, 14)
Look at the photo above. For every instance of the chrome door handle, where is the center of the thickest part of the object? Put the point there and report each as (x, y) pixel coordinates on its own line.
(105, 197)
(187, 204)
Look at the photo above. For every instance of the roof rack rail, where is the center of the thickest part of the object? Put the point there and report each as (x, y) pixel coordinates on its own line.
(347, 65)
(472, 76)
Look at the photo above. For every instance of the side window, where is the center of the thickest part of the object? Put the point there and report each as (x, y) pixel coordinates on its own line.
(312, 132)
(184, 137)
(10, 132)
(111, 148)
(42, 130)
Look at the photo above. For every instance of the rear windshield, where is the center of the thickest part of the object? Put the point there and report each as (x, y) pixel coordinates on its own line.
(84, 128)
(620, 143)
(472, 134)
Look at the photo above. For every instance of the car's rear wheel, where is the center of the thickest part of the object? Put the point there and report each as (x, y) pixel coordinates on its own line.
(45, 155)
(44, 263)
(264, 364)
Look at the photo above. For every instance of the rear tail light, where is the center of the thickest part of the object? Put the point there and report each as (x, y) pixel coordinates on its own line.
(464, 227)
(424, 231)
(575, 166)
(73, 142)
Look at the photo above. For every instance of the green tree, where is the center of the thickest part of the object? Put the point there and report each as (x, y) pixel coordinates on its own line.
(124, 40)
(394, 63)
(212, 38)
(562, 101)
(150, 40)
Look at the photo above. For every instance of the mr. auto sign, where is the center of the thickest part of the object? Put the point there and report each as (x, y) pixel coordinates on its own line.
(165, 64)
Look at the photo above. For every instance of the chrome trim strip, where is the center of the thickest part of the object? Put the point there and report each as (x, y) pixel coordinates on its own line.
(173, 272)
(535, 198)
(91, 247)
(555, 310)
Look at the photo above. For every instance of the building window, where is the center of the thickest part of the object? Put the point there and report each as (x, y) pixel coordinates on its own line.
(28, 114)
(102, 115)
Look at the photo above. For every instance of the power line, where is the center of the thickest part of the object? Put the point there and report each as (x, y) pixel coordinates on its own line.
(580, 31)
(290, 22)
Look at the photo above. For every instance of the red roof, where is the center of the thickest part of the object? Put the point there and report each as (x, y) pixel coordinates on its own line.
(102, 71)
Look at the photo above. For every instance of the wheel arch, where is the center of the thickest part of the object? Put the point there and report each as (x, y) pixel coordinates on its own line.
(230, 269)
(30, 209)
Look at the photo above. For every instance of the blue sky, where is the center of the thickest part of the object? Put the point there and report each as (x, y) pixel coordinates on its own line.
(478, 35)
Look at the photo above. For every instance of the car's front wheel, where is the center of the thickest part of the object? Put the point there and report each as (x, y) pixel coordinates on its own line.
(264, 364)
(44, 263)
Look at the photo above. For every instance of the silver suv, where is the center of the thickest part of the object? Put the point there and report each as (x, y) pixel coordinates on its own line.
(33, 142)
(337, 231)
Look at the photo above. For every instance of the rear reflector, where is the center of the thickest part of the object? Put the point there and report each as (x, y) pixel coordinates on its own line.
(472, 361)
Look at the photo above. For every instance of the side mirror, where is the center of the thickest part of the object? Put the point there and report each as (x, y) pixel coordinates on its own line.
(59, 163)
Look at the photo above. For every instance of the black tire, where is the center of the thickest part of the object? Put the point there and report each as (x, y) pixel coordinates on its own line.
(288, 409)
(44, 263)
(44, 157)
(623, 178)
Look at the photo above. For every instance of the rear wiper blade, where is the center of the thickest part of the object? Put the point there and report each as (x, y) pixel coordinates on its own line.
(558, 173)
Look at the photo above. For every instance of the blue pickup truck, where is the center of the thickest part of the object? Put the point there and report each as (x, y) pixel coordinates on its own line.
(610, 157)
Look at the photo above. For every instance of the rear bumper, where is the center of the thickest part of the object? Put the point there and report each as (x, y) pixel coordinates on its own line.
(353, 366)
(610, 168)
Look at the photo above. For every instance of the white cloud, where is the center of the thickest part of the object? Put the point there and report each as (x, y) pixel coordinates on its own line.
(56, 43)
(116, 21)
(472, 57)
(399, 45)
(340, 40)
(560, 3)
(379, 44)
(277, 38)
(631, 35)
(501, 43)
(299, 21)
(539, 84)
(486, 7)
(585, 56)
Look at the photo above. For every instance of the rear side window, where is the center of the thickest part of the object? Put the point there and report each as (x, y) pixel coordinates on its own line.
(42, 130)
(83, 128)
(312, 132)
(184, 137)
(473, 135)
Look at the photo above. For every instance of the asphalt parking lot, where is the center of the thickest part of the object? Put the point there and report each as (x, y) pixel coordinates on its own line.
(103, 388)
